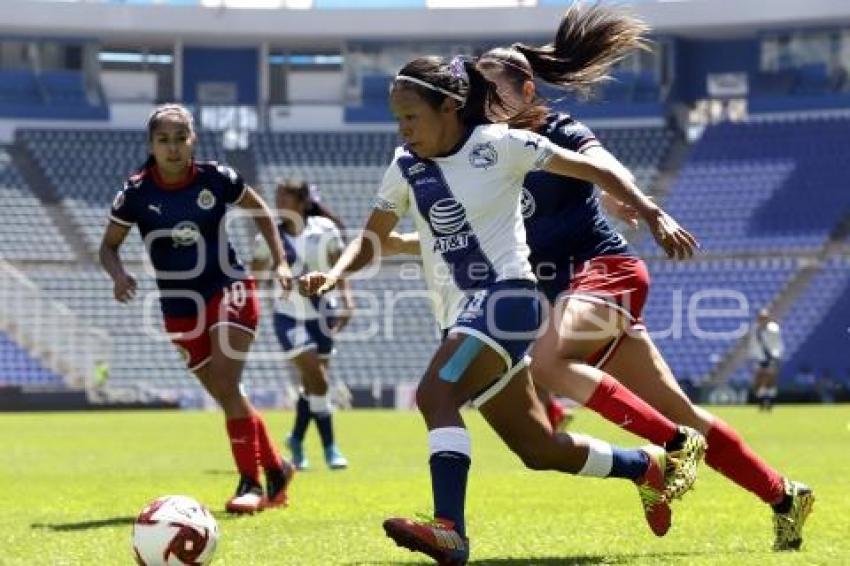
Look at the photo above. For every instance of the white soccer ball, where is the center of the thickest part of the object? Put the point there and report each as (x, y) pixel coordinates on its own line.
(174, 530)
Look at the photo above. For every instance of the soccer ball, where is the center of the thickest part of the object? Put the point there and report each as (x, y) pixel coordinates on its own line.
(174, 530)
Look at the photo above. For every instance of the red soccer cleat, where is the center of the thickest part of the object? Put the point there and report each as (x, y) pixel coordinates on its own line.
(438, 539)
(277, 485)
(651, 488)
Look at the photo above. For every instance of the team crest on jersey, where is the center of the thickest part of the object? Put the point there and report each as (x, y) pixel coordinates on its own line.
(527, 202)
(186, 233)
(118, 201)
(483, 155)
(206, 200)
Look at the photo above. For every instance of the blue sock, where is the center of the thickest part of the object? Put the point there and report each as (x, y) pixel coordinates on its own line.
(302, 419)
(449, 471)
(326, 429)
(628, 463)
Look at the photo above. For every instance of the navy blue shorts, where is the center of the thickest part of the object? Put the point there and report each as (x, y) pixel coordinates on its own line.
(505, 316)
(298, 336)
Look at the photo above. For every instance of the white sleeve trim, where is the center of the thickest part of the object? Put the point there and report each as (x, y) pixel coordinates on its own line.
(119, 221)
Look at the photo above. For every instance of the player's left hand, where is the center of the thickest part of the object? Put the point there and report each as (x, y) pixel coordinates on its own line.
(343, 316)
(676, 242)
(316, 283)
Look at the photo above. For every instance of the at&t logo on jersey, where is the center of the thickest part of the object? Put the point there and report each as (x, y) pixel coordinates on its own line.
(186, 233)
(527, 203)
(483, 155)
(448, 217)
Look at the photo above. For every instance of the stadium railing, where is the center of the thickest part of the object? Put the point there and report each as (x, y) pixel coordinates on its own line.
(50, 331)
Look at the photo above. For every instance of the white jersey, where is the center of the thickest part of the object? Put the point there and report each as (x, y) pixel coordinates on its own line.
(308, 251)
(466, 208)
(766, 342)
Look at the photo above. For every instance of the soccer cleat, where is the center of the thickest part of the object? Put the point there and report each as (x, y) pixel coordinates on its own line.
(334, 458)
(277, 484)
(296, 448)
(436, 538)
(788, 527)
(651, 487)
(248, 498)
(683, 463)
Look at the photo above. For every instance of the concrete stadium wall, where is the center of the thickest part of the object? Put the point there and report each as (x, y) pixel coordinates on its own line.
(217, 27)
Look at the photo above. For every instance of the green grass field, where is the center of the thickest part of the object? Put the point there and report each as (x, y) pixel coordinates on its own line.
(72, 483)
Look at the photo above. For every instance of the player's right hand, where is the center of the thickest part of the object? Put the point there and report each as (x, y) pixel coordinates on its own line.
(284, 277)
(676, 242)
(124, 287)
(315, 283)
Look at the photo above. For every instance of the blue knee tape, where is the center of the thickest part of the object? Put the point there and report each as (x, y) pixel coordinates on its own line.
(460, 360)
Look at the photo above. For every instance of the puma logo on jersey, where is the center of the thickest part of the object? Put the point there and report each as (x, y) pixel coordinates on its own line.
(416, 168)
(156, 208)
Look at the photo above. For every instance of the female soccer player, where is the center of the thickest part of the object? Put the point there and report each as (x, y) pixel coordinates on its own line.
(208, 302)
(305, 326)
(461, 178)
(598, 286)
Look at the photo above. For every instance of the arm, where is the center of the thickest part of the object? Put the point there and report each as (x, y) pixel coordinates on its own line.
(613, 206)
(675, 240)
(259, 266)
(347, 308)
(123, 284)
(265, 222)
(406, 243)
(358, 254)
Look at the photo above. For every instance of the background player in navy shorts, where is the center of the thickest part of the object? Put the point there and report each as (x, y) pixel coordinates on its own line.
(599, 286)
(305, 326)
(208, 302)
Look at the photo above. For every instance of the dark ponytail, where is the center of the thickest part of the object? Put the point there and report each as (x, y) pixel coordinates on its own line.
(590, 39)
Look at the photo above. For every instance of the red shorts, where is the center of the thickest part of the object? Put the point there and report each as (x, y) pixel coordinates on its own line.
(236, 305)
(622, 282)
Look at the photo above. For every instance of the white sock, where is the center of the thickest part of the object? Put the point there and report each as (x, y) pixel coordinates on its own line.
(600, 457)
(450, 439)
(319, 404)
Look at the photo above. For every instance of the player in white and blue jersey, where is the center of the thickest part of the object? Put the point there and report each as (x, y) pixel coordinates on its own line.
(208, 302)
(461, 178)
(590, 274)
(305, 326)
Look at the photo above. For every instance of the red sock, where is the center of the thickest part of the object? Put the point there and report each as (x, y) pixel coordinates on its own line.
(243, 444)
(626, 410)
(269, 455)
(729, 454)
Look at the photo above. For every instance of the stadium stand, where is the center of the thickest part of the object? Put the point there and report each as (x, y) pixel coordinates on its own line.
(698, 311)
(737, 177)
(48, 95)
(20, 368)
(765, 186)
(817, 326)
(26, 231)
